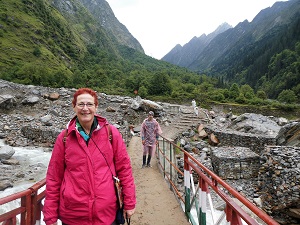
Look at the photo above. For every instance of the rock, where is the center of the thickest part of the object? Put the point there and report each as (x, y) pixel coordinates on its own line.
(124, 106)
(182, 142)
(195, 150)
(222, 120)
(289, 134)
(255, 124)
(213, 140)
(110, 109)
(11, 162)
(282, 121)
(294, 213)
(135, 105)
(212, 114)
(7, 101)
(30, 100)
(6, 152)
(203, 134)
(116, 125)
(54, 96)
(200, 127)
(5, 184)
(187, 147)
(45, 119)
(258, 202)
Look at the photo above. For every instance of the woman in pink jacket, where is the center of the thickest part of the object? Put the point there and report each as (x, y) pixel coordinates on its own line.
(79, 183)
(150, 131)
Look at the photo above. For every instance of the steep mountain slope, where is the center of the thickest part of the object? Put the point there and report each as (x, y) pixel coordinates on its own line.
(52, 35)
(242, 54)
(271, 31)
(187, 54)
(101, 10)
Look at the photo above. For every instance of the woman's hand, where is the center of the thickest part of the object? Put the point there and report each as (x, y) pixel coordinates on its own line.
(128, 213)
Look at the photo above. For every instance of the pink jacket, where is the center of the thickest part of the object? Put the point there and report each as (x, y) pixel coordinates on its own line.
(79, 184)
(150, 131)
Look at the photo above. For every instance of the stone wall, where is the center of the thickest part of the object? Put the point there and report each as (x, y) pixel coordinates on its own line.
(254, 142)
(279, 178)
(40, 134)
(235, 162)
(277, 169)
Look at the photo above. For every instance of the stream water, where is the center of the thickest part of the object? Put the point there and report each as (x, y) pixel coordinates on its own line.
(27, 157)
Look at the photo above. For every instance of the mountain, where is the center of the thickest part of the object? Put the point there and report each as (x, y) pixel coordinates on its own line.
(101, 10)
(58, 33)
(242, 54)
(187, 54)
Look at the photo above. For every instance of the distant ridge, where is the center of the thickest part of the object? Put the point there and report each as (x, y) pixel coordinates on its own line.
(187, 54)
(216, 50)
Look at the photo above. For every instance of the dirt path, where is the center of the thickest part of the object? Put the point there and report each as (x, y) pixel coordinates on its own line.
(156, 203)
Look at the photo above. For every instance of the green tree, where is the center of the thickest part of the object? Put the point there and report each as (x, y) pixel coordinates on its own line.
(261, 94)
(241, 99)
(160, 84)
(37, 52)
(247, 91)
(217, 96)
(143, 92)
(287, 96)
(234, 91)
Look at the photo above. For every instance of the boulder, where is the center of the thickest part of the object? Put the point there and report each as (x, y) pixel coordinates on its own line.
(6, 152)
(54, 96)
(7, 101)
(213, 140)
(30, 100)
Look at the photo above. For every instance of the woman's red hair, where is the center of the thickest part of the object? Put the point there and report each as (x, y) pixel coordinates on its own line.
(81, 91)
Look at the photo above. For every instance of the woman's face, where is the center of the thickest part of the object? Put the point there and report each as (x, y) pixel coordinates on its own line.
(85, 108)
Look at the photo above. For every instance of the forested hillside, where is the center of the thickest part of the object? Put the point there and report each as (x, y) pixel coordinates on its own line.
(263, 53)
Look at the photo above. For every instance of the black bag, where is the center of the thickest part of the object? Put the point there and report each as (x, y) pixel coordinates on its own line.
(120, 216)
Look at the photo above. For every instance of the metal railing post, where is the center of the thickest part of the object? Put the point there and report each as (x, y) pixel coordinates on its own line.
(164, 159)
(202, 206)
(170, 167)
(26, 215)
(187, 186)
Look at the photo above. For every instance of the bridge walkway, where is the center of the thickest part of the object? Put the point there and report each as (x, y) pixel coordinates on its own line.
(156, 203)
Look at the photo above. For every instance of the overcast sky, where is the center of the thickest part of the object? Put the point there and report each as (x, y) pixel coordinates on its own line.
(159, 25)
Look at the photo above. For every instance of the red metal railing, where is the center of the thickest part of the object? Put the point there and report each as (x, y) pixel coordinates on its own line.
(207, 180)
(30, 206)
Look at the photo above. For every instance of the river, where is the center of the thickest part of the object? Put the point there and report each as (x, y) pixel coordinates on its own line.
(27, 156)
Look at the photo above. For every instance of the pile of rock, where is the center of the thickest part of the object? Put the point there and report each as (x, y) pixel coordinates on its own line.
(279, 181)
(249, 154)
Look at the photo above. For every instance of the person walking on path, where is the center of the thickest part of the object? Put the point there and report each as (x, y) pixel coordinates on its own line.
(150, 131)
(86, 156)
(194, 104)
